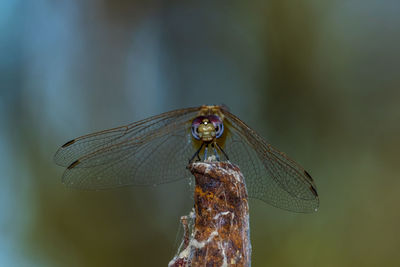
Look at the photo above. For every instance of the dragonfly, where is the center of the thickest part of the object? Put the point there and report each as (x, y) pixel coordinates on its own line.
(157, 150)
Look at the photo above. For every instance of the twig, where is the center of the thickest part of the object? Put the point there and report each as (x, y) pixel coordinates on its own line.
(221, 234)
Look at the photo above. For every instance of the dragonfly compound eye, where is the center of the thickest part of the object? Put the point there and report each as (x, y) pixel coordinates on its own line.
(195, 127)
(218, 125)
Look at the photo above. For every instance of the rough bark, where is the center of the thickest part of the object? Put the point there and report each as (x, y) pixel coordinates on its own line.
(221, 234)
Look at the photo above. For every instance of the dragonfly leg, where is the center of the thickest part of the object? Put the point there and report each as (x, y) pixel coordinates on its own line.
(220, 148)
(215, 152)
(196, 154)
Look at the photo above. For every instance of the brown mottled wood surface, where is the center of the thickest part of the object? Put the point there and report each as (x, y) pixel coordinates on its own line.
(221, 234)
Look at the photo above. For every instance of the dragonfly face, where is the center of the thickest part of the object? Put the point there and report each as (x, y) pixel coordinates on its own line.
(207, 128)
(156, 150)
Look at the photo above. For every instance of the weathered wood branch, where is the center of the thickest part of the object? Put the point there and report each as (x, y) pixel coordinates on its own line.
(221, 232)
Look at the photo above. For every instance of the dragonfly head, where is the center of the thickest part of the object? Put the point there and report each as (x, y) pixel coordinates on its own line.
(206, 128)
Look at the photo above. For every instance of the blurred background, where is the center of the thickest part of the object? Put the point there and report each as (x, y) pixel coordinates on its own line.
(318, 79)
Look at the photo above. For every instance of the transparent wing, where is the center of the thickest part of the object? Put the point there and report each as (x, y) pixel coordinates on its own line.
(152, 151)
(87, 144)
(270, 175)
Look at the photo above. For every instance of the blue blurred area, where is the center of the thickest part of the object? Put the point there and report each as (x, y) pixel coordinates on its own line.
(318, 79)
